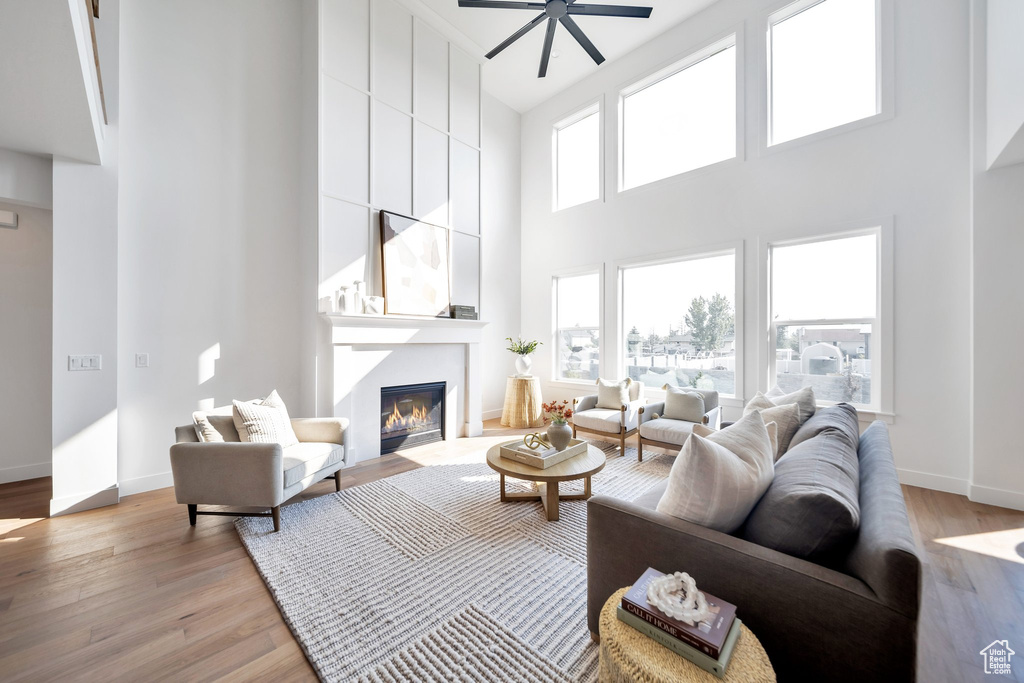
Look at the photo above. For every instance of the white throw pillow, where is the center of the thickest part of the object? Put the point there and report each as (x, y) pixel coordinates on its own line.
(786, 417)
(611, 394)
(717, 479)
(215, 426)
(683, 404)
(264, 422)
(802, 397)
(773, 433)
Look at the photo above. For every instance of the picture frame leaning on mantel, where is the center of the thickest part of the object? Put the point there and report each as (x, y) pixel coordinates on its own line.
(416, 266)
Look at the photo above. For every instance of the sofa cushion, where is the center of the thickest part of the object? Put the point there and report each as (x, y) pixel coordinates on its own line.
(264, 422)
(216, 425)
(785, 416)
(612, 394)
(683, 404)
(812, 507)
(803, 397)
(841, 417)
(716, 480)
(669, 431)
(600, 419)
(303, 459)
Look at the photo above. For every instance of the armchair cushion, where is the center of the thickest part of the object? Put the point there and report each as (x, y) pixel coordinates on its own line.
(612, 394)
(604, 420)
(683, 404)
(303, 459)
(664, 429)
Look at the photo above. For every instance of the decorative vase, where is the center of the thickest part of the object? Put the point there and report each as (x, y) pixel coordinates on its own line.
(559, 434)
(523, 365)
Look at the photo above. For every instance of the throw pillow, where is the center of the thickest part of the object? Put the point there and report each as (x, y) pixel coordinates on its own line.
(786, 417)
(215, 426)
(841, 417)
(812, 508)
(681, 404)
(612, 394)
(802, 397)
(773, 433)
(264, 422)
(717, 479)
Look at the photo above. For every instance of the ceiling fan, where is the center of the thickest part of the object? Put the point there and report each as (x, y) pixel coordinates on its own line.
(557, 12)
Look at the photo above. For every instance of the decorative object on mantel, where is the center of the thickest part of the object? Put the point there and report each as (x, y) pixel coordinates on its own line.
(522, 349)
(328, 304)
(347, 300)
(559, 431)
(464, 312)
(416, 271)
(373, 305)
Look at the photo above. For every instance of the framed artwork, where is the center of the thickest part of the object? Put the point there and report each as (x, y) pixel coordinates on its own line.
(414, 256)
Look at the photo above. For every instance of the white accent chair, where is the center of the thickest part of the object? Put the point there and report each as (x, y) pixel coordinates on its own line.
(621, 423)
(244, 474)
(657, 430)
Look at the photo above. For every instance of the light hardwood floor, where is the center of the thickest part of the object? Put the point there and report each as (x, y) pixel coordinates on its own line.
(132, 592)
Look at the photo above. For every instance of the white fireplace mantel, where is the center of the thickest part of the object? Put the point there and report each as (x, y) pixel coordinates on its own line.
(349, 334)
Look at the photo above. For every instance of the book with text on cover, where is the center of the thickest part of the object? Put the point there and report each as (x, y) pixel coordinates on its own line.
(708, 636)
(716, 666)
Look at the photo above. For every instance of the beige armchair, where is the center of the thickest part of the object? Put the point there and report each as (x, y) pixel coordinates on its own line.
(621, 423)
(657, 430)
(233, 473)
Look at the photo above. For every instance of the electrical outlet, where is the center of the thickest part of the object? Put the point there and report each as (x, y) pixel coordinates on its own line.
(142, 360)
(81, 363)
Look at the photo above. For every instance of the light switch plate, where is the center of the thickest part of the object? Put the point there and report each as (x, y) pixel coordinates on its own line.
(142, 360)
(8, 219)
(82, 363)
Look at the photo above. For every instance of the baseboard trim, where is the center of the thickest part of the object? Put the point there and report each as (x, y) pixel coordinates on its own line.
(935, 482)
(999, 497)
(80, 502)
(23, 472)
(491, 414)
(152, 482)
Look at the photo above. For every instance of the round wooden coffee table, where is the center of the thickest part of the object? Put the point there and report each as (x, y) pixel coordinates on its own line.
(582, 466)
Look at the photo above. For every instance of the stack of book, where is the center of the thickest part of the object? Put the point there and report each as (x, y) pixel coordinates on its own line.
(708, 644)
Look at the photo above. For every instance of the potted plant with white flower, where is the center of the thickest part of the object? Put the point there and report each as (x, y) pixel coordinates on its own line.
(522, 349)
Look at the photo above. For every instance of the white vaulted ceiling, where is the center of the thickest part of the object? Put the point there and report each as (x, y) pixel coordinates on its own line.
(512, 75)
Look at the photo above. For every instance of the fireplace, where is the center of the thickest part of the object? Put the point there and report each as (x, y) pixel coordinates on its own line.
(411, 415)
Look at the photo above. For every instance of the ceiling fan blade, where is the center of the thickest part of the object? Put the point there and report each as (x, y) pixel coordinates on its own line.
(610, 11)
(581, 38)
(501, 4)
(545, 56)
(517, 35)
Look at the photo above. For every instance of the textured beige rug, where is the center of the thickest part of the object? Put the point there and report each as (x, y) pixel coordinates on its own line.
(426, 576)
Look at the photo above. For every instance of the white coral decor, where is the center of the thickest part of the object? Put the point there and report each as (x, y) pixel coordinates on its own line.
(677, 596)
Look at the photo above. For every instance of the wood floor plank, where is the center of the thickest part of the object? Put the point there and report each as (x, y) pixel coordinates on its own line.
(132, 592)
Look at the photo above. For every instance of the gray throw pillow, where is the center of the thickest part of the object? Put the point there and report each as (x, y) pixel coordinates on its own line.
(841, 417)
(812, 507)
(681, 404)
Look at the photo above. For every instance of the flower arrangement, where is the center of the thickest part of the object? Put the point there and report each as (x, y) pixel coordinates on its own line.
(559, 413)
(521, 347)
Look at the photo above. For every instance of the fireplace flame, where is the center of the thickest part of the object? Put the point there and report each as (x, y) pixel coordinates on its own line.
(417, 418)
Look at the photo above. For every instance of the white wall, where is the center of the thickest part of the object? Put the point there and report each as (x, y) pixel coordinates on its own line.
(213, 252)
(85, 281)
(26, 311)
(501, 268)
(911, 167)
(26, 179)
(1004, 89)
(998, 300)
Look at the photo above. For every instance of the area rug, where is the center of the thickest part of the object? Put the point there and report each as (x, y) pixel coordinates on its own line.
(426, 576)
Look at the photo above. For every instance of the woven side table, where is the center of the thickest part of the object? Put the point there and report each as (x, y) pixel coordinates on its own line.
(522, 403)
(628, 655)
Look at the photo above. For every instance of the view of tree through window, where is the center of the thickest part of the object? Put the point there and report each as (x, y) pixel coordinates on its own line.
(680, 323)
(578, 326)
(825, 311)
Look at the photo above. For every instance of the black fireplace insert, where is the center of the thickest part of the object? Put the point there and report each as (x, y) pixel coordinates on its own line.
(411, 415)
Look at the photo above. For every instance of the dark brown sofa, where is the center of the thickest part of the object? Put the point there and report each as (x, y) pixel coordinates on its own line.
(855, 623)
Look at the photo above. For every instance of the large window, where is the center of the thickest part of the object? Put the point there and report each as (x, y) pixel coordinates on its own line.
(578, 327)
(679, 323)
(822, 66)
(825, 318)
(577, 158)
(681, 118)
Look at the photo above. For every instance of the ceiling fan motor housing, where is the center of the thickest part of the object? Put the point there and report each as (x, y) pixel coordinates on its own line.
(556, 9)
